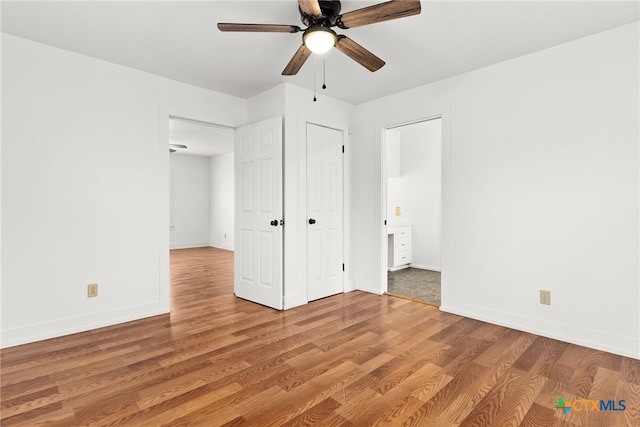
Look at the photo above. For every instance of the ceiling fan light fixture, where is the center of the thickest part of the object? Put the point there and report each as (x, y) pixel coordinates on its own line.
(319, 39)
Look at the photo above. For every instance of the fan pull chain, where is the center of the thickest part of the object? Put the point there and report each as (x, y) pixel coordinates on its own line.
(324, 71)
(315, 61)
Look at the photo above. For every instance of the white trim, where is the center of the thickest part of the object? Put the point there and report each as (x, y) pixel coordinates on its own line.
(58, 328)
(201, 122)
(605, 341)
(367, 286)
(425, 267)
(293, 304)
(188, 245)
(223, 246)
(346, 209)
(399, 267)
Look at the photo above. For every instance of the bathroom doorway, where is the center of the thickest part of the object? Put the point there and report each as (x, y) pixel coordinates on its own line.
(414, 210)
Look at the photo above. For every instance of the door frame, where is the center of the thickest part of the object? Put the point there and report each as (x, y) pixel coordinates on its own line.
(381, 127)
(167, 112)
(302, 121)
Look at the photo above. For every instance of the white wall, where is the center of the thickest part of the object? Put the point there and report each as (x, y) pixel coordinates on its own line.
(75, 209)
(417, 190)
(222, 201)
(191, 204)
(542, 190)
(268, 104)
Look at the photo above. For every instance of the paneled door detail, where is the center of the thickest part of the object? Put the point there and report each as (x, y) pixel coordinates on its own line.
(324, 212)
(259, 218)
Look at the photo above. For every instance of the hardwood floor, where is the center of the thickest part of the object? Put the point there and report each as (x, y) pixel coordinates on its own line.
(353, 359)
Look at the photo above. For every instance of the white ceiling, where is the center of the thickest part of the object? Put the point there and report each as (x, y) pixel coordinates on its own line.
(179, 39)
(201, 139)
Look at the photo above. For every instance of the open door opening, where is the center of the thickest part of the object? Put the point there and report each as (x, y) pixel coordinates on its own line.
(413, 207)
(201, 203)
(201, 199)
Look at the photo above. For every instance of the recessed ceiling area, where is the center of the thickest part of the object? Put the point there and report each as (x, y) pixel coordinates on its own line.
(180, 40)
(200, 138)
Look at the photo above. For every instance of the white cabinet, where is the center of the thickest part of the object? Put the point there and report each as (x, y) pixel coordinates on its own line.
(399, 246)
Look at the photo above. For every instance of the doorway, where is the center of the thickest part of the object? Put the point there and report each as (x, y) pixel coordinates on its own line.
(414, 210)
(200, 198)
(201, 209)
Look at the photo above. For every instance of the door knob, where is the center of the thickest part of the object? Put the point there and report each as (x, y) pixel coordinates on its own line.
(312, 221)
(274, 222)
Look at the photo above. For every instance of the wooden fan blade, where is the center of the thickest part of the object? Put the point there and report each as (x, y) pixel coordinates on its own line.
(310, 7)
(359, 54)
(393, 9)
(258, 28)
(297, 61)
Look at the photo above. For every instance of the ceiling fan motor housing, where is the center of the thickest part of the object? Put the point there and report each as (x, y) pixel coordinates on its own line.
(330, 12)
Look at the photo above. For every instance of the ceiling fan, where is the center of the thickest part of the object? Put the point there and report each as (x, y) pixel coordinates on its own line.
(172, 147)
(319, 16)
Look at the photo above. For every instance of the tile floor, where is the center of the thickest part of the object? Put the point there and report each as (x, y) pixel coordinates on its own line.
(417, 284)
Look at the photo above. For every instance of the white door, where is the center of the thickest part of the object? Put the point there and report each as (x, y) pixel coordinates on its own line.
(324, 212)
(258, 222)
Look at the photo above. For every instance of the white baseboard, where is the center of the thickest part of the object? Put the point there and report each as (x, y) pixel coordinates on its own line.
(58, 328)
(605, 341)
(295, 303)
(348, 286)
(367, 287)
(188, 245)
(425, 267)
(224, 246)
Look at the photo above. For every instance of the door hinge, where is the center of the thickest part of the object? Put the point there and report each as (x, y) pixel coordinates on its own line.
(343, 149)
(342, 266)
(385, 222)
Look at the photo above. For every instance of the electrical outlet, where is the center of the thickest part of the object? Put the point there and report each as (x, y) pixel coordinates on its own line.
(92, 290)
(398, 211)
(545, 297)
